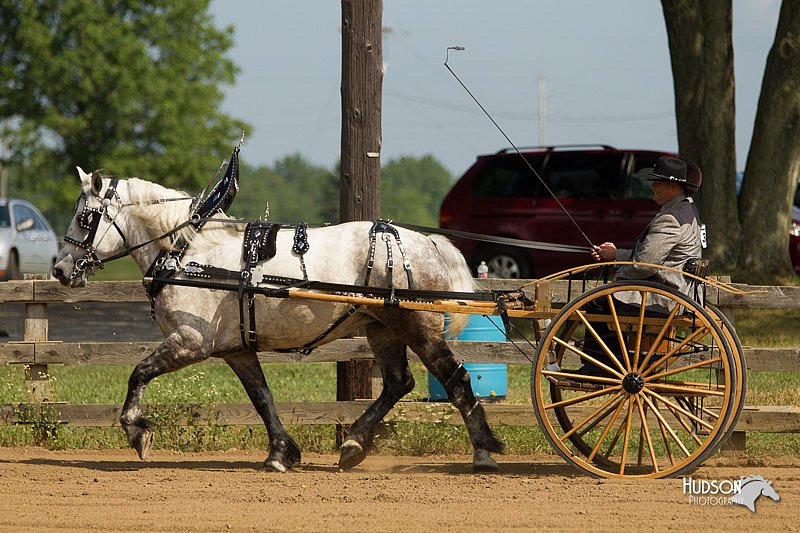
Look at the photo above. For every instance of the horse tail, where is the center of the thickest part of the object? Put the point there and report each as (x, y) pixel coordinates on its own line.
(461, 279)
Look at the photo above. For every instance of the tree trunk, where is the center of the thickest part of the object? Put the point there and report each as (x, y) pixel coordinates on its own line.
(701, 51)
(360, 192)
(773, 162)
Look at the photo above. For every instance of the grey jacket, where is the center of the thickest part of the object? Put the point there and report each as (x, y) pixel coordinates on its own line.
(670, 239)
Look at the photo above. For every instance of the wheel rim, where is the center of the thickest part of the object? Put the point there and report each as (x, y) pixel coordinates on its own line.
(662, 404)
(504, 266)
(740, 391)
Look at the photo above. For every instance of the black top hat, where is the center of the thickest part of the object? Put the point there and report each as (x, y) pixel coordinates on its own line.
(667, 169)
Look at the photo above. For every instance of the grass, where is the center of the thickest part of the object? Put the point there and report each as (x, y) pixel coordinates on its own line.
(216, 384)
(124, 268)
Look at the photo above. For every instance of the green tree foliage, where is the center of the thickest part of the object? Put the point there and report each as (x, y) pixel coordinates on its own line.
(130, 86)
(412, 189)
(295, 189)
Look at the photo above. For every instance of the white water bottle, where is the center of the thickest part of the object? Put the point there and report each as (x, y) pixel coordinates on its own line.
(483, 270)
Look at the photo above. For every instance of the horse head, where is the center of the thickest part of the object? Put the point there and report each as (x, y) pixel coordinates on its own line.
(88, 239)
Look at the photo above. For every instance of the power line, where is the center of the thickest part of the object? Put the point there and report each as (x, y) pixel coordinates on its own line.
(510, 115)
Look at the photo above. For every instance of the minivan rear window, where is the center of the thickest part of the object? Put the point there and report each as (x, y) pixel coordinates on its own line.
(635, 188)
(506, 177)
(585, 175)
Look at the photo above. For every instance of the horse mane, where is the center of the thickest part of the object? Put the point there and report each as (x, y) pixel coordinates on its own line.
(745, 480)
(160, 218)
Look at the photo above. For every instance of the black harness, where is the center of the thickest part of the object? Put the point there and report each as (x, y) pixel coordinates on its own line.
(89, 219)
(259, 245)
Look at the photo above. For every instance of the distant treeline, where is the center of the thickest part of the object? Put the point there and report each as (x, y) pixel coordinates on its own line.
(412, 188)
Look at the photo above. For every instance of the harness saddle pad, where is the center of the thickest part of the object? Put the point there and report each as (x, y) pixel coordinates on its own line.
(259, 242)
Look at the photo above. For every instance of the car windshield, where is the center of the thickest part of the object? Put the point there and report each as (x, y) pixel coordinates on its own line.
(4, 220)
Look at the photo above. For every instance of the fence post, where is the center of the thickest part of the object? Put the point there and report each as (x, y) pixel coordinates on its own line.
(37, 379)
(737, 442)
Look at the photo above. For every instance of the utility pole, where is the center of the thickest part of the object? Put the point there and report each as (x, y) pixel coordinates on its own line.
(4, 171)
(542, 112)
(360, 192)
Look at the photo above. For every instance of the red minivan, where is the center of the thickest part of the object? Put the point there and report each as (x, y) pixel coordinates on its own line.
(500, 196)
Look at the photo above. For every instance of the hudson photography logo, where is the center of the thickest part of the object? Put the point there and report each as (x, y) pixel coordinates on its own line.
(743, 491)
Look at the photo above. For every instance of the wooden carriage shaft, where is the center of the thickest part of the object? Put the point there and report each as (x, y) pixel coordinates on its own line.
(472, 308)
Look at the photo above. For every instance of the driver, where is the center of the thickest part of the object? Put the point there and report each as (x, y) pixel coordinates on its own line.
(673, 238)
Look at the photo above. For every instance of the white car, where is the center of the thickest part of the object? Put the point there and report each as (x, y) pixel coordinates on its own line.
(28, 244)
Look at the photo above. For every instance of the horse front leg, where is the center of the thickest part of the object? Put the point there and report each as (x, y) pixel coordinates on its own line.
(283, 450)
(173, 354)
(390, 355)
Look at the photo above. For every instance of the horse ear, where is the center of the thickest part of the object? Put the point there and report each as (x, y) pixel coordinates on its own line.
(83, 175)
(97, 182)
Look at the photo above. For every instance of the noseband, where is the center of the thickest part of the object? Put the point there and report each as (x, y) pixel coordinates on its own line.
(89, 219)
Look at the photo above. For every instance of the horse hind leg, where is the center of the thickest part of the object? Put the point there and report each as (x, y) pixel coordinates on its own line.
(425, 338)
(283, 450)
(390, 355)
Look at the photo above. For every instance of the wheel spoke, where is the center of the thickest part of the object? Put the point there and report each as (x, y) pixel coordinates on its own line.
(669, 428)
(606, 430)
(620, 337)
(679, 408)
(678, 370)
(594, 413)
(693, 391)
(664, 438)
(579, 377)
(692, 433)
(601, 342)
(675, 349)
(583, 397)
(659, 338)
(640, 330)
(626, 439)
(589, 358)
(614, 441)
(596, 421)
(646, 431)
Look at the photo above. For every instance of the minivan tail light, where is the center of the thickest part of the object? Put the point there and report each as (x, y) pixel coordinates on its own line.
(445, 216)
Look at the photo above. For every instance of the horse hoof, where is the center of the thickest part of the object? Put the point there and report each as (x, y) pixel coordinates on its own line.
(351, 454)
(292, 454)
(143, 443)
(274, 466)
(483, 462)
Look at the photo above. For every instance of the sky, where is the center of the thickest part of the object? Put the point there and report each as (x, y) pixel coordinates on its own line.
(605, 69)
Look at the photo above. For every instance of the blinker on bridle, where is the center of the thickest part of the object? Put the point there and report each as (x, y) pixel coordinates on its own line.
(89, 219)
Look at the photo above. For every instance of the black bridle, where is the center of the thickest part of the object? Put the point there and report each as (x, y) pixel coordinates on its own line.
(89, 219)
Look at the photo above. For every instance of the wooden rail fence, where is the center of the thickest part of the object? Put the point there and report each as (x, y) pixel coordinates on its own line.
(37, 351)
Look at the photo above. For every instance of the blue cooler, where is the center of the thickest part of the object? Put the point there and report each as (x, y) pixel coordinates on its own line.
(486, 379)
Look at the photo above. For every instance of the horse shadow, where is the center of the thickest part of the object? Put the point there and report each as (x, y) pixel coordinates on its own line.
(543, 469)
(136, 465)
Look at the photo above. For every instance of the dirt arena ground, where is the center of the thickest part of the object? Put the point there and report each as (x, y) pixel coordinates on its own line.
(42, 490)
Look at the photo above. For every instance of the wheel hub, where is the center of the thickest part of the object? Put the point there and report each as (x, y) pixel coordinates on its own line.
(633, 383)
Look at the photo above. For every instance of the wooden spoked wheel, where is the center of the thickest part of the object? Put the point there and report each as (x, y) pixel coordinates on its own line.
(659, 394)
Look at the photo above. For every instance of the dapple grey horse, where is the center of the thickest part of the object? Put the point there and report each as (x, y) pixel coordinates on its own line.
(199, 323)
